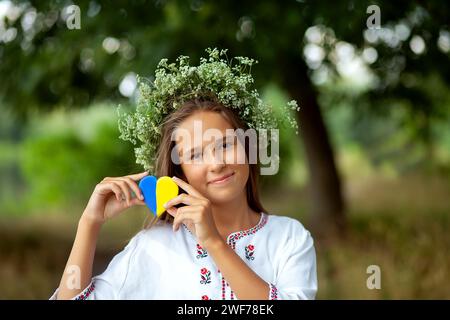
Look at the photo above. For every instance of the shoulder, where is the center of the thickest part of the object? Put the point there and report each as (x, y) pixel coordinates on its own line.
(160, 229)
(290, 225)
(160, 234)
(288, 230)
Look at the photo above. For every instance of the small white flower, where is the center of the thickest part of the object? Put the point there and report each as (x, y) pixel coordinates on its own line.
(176, 83)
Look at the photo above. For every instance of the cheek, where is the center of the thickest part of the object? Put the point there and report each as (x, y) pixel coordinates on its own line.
(245, 171)
(242, 173)
(237, 160)
(195, 175)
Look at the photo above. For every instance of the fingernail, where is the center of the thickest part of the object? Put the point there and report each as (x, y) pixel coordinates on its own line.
(141, 197)
(175, 178)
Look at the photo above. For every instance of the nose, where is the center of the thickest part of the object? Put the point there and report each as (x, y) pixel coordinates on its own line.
(217, 166)
(215, 159)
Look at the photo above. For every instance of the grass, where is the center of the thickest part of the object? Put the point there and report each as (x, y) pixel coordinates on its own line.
(399, 224)
(411, 253)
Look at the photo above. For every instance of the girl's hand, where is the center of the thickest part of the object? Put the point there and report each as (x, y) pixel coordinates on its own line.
(197, 215)
(112, 196)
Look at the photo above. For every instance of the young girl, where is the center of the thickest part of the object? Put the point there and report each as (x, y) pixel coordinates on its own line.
(215, 240)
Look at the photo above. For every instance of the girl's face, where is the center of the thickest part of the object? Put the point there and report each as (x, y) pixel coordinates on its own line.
(212, 163)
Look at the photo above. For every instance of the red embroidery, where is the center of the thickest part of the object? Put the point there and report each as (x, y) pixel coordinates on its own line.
(238, 235)
(224, 283)
(223, 288)
(86, 293)
(249, 251)
(273, 295)
(201, 253)
(231, 241)
(205, 275)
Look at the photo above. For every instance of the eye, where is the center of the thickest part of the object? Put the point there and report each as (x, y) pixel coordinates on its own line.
(195, 155)
(227, 145)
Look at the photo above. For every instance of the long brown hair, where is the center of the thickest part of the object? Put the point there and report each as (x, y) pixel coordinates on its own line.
(165, 167)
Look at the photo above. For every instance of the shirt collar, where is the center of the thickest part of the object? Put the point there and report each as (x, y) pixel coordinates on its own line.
(234, 236)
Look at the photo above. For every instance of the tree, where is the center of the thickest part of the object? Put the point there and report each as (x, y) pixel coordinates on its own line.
(47, 64)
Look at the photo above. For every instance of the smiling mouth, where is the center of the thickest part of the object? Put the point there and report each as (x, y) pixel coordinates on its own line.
(222, 179)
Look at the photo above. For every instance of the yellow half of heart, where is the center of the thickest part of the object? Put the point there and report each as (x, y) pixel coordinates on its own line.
(166, 190)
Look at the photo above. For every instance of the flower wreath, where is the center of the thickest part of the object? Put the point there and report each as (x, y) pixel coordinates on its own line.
(176, 83)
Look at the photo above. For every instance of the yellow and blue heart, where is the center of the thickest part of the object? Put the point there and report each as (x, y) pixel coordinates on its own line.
(157, 192)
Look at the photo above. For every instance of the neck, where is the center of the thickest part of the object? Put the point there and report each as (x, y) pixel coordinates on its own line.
(234, 216)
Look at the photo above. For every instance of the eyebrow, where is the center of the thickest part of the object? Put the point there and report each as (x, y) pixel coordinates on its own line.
(226, 138)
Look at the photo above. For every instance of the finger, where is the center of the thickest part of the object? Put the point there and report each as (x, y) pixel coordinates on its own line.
(133, 185)
(114, 188)
(110, 186)
(172, 211)
(182, 198)
(186, 215)
(187, 187)
(125, 189)
(182, 217)
(138, 176)
(137, 202)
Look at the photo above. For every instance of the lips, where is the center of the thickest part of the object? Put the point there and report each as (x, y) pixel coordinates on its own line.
(220, 179)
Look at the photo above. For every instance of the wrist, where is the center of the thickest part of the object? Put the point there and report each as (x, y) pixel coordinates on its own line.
(215, 245)
(90, 222)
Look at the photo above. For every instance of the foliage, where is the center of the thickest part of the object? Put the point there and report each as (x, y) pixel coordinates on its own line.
(65, 154)
(174, 84)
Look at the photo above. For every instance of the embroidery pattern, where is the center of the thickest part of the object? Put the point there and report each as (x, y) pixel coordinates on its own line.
(86, 293)
(238, 235)
(249, 251)
(273, 295)
(231, 241)
(223, 288)
(205, 275)
(201, 253)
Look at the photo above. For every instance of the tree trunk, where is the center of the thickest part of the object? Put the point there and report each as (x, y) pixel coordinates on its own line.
(326, 208)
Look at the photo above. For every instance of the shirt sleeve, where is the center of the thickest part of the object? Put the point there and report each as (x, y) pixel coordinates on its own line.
(108, 284)
(297, 279)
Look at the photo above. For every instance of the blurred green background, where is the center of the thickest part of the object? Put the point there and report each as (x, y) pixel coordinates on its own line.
(369, 173)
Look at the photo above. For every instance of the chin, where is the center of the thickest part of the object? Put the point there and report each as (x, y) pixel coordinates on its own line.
(222, 196)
